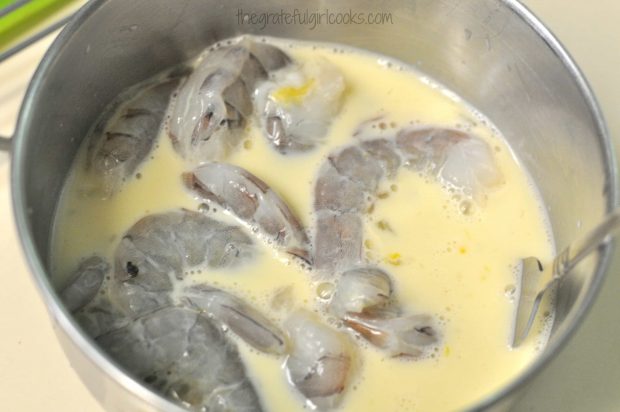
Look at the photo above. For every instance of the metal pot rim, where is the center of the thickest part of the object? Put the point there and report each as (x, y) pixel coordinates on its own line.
(110, 368)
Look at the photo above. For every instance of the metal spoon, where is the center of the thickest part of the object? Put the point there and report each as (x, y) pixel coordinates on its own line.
(532, 270)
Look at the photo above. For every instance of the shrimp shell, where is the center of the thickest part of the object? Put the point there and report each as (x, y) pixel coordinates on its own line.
(298, 119)
(361, 290)
(253, 201)
(121, 142)
(321, 360)
(212, 108)
(164, 246)
(180, 353)
(87, 297)
(347, 183)
(85, 283)
(405, 336)
(244, 320)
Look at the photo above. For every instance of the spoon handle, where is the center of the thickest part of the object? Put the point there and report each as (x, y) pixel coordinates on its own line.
(583, 246)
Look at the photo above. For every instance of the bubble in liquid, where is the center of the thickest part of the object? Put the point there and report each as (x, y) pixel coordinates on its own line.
(510, 290)
(325, 290)
(466, 207)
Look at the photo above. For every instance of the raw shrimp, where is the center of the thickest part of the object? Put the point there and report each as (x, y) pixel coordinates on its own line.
(84, 283)
(164, 246)
(297, 104)
(361, 290)
(101, 315)
(346, 189)
(404, 336)
(119, 144)
(321, 361)
(233, 313)
(180, 353)
(250, 198)
(213, 106)
(363, 299)
(347, 183)
(86, 296)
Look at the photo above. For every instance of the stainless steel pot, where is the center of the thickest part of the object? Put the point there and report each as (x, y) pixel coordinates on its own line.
(493, 53)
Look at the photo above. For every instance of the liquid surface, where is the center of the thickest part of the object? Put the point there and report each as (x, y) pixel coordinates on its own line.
(448, 256)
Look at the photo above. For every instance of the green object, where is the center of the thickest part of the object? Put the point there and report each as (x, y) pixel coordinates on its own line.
(24, 19)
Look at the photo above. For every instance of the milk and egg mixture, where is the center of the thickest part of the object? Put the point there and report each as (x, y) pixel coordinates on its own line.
(448, 253)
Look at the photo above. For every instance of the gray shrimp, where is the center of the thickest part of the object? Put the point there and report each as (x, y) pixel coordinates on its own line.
(403, 336)
(183, 355)
(296, 104)
(123, 140)
(361, 290)
(364, 301)
(233, 313)
(85, 283)
(161, 247)
(213, 106)
(347, 183)
(346, 189)
(321, 362)
(86, 297)
(248, 197)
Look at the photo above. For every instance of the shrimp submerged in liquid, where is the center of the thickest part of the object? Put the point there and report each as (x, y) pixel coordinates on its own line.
(321, 361)
(348, 181)
(214, 105)
(160, 248)
(248, 197)
(364, 301)
(181, 354)
(119, 144)
(175, 339)
(346, 189)
(230, 311)
(297, 104)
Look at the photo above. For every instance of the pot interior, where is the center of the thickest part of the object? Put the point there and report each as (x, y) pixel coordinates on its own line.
(488, 51)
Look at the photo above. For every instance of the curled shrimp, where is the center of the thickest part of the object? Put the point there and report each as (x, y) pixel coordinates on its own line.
(402, 336)
(121, 142)
(296, 104)
(233, 313)
(180, 353)
(347, 183)
(214, 105)
(321, 360)
(364, 301)
(252, 200)
(86, 296)
(346, 189)
(85, 283)
(361, 290)
(164, 246)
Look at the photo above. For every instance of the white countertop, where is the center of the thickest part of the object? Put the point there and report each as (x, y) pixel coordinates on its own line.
(35, 375)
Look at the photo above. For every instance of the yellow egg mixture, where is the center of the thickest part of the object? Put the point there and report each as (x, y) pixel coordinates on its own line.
(450, 257)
